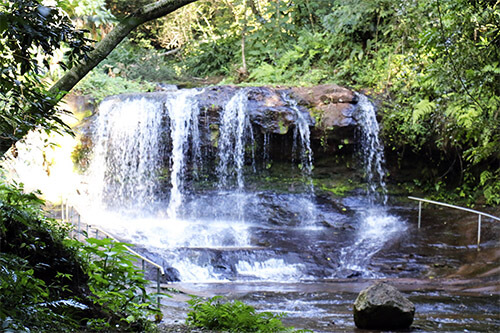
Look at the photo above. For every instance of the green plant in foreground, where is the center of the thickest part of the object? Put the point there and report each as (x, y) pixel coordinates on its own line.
(232, 316)
(49, 282)
(117, 284)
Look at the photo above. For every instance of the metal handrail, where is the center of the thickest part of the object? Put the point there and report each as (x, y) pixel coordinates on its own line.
(65, 216)
(152, 263)
(479, 214)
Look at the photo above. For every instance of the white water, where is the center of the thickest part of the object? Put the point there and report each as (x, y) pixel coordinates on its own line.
(371, 151)
(235, 131)
(302, 144)
(376, 226)
(183, 113)
(147, 148)
(301, 135)
(133, 139)
(270, 270)
(127, 154)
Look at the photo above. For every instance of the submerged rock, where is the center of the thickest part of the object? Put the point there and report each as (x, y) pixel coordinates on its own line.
(383, 307)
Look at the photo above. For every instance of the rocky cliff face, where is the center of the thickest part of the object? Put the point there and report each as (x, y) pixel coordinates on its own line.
(330, 110)
(273, 113)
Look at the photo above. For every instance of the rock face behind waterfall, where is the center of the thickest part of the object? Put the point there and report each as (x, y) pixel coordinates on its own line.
(328, 110)
(383, 307)
(330, 105)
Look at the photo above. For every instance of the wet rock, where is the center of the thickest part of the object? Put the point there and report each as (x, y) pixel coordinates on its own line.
(165, 87)
(273, 113)
(172, 274)
(80, 104)
(383, 307)
(331, 105)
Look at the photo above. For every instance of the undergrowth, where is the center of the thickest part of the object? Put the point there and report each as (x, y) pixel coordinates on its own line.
(49, 282)
(233, 316)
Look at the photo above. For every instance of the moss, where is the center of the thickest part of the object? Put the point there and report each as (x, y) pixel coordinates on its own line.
(283, 127)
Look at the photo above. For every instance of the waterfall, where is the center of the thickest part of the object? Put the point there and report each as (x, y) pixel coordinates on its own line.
(234, 130)
(183, 113)
(372, 151)
(376, 226)
(301, 135)
(127, 153)
(147, 154)
(302, 148)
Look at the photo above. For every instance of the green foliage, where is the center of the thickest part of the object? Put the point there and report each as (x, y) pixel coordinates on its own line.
(138, 61)
(117, 284)
(300, 65)
(233, 316)
(490, 181)
(30, 34)
(101, 85)
(212, 58)
(38, 274)
(49, 282)
(129, 68)
(435, 64)
(92, 14)
(26, 302)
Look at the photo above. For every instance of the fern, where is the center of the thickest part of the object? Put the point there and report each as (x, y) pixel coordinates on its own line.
(423, 108)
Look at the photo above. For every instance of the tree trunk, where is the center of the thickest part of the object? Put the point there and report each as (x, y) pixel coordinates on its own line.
(147, 13)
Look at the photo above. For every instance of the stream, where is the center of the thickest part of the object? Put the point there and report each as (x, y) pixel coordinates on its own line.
(228, 211)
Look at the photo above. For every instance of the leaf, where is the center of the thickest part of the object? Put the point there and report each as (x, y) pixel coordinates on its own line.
(423, 108)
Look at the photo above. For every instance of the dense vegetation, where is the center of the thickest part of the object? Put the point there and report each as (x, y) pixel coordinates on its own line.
(51, 282)
(31, 37)
(433, 66)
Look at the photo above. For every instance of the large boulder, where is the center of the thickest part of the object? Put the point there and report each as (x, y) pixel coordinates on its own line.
(383, 307)
(332, 106)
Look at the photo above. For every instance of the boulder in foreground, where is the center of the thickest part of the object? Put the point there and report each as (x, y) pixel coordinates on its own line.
(383, 307)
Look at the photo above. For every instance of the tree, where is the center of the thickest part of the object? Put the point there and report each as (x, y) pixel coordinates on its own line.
(30, 34)
(28, 29)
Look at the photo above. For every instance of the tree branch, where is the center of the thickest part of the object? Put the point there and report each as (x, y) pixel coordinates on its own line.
(147, 13)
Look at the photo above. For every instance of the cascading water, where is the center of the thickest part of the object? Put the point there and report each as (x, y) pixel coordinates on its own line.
(234, 130)
(136, 139)
(147, 157)
(127, 153)
(301, 135)
(302, 148)
(183, 115)
(376, 225)
(372, 152)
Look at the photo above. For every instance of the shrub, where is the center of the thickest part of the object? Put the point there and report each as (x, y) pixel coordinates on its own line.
(233, 316)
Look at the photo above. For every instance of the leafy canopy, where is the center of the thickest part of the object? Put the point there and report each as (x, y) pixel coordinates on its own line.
(30, 35)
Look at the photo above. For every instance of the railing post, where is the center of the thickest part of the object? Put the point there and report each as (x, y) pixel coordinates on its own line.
(478, 230)
(158, 286)
(144, 272)
(419, 213)
(62, 209)
(79, 228)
